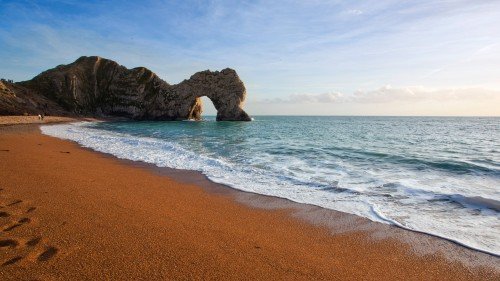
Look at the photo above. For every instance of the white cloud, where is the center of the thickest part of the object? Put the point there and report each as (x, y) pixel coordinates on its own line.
(307, 98)
(420, 93)
(388, 94)
(355, 12)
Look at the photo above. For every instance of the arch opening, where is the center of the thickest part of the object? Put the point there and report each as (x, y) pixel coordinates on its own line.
(208, 108)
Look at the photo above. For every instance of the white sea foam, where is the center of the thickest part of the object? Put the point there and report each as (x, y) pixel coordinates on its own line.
(354, 194)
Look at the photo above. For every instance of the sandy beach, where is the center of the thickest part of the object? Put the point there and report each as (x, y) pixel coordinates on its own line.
(68, 213)
(15, 120)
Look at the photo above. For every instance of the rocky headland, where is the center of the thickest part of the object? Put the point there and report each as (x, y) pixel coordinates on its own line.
(98, 87)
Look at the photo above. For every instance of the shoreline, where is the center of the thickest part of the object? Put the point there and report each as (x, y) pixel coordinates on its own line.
(270, 202)
(31, 119)
(206, 181)
(334, 224)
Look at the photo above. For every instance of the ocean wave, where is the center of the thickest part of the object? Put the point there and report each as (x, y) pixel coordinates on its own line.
(415, 162)
(403, 203)
(476, 202)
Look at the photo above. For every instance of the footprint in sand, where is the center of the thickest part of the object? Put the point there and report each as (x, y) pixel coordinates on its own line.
(12, 261)
(49, 253)
(44, 255)
(33, 242)
(12, 227)
(11, 243)
(18, 224)
(15, 203)
(24, 220)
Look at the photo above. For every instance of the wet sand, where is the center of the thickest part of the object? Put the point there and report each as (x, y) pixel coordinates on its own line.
(68, 213)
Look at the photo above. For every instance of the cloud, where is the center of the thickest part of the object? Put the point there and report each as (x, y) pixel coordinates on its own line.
(355, 12)
(307, 98)
(420, 93)
(302, 47)
(388, 94)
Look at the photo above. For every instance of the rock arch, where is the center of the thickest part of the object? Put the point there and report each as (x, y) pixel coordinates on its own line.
(97, 86)
(225, 89)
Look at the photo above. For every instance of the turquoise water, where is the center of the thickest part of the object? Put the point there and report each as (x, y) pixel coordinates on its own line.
(436, 175)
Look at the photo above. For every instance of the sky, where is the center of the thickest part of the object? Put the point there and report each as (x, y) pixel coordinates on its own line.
(295, 57)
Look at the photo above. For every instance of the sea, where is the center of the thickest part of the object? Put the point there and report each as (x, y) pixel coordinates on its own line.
(438, 175)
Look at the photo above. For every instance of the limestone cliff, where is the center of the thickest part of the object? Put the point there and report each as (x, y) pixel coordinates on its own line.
(18, 100)
(97, 86)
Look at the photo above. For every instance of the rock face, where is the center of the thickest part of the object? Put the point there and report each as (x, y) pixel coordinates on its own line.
(18, 100)
(102, 87)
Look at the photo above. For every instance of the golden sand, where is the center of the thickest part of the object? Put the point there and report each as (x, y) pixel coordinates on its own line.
(68, 213)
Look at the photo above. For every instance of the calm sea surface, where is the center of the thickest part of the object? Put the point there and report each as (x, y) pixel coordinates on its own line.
(436, 175)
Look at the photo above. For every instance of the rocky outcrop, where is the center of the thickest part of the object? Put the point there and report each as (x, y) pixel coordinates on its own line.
(102, 87)
(225, 90)
(18, 100)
